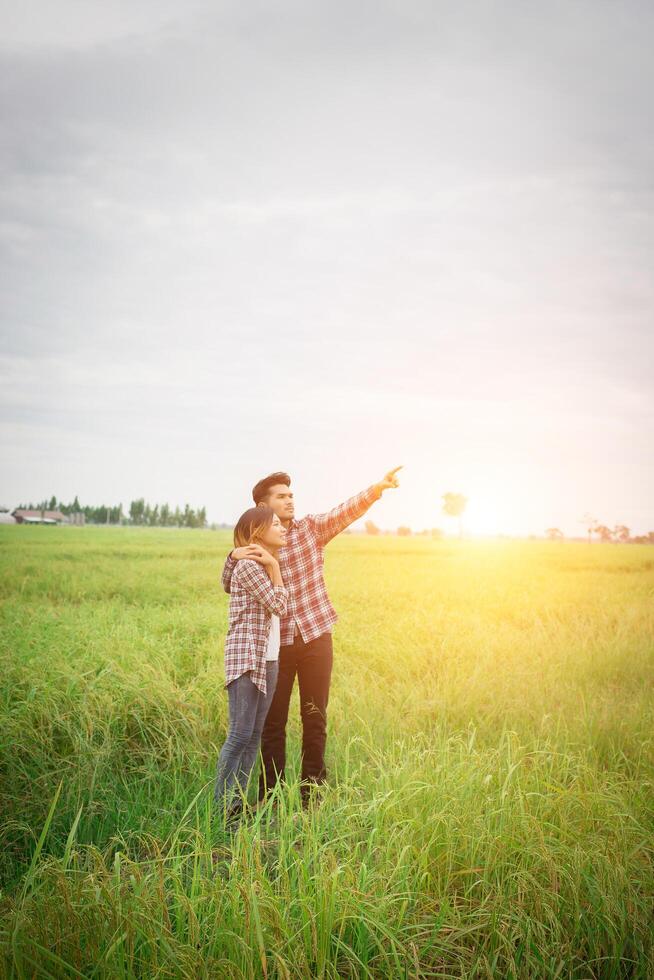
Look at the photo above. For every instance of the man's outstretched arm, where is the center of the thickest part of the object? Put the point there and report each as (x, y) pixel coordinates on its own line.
(328, 525)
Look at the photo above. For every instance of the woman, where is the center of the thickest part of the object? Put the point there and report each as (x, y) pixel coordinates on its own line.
(257, 599)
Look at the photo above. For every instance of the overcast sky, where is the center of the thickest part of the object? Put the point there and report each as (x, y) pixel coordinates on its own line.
(330, 238)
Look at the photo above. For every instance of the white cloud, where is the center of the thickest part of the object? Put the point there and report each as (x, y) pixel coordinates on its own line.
(325, 236)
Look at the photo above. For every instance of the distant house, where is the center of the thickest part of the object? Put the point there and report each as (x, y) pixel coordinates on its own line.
(38, 516)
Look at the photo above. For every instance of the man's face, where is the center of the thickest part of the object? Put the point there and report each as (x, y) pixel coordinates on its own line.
(280, 498)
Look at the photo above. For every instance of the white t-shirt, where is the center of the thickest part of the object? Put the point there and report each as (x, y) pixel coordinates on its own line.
(274, 638)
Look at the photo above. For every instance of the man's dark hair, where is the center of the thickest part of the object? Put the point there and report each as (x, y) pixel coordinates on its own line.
(261, 490)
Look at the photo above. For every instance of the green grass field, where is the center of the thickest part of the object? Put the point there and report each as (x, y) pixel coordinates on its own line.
(490, 809)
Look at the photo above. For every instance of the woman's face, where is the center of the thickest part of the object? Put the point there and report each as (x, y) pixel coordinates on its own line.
(275, 535)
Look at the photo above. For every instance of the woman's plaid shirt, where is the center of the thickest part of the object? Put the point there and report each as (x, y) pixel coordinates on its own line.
(301, 563)
(253, 598)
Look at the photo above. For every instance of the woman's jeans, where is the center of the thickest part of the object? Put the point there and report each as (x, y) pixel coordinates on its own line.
(248, 708)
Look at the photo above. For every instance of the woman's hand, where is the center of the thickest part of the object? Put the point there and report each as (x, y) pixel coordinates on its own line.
(266, 559)
(270, 563)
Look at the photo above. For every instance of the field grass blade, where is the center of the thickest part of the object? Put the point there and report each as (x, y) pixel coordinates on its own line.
(71, 837)
(27, 881)
(49, 955)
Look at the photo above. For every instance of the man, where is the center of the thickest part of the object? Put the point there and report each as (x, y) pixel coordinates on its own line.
(306, 639)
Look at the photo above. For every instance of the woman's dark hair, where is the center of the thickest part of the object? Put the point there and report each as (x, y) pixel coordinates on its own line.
(261, 489)
(252, 524)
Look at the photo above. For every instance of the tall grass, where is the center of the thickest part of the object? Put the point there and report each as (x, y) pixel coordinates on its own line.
(489, 812)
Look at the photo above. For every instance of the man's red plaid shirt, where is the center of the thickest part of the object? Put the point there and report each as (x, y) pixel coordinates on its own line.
(301, 564)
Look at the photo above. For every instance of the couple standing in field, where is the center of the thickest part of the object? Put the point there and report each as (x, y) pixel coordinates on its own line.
(280, 621)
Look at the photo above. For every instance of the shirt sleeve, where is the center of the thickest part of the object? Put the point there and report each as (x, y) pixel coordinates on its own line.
(228, 569)
(327, 526)
(254, 579)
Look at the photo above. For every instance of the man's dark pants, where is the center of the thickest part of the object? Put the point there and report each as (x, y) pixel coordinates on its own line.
(312, 662)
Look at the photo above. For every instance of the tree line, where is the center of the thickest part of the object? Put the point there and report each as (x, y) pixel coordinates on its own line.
(453, 505)
(619, 532)
(140, 513)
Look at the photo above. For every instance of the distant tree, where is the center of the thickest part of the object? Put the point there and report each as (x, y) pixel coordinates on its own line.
(202, 517)
(404, 531)
(437, 533)
(454, 505)
(53, 503)
(137, 511)
(590, 523)
(621, 533)
(75, 506)
(164, 515)
(605, 533)
(371, 528)
(554, 534)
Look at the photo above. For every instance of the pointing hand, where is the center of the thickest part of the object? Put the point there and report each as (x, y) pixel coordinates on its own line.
(390, 481)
